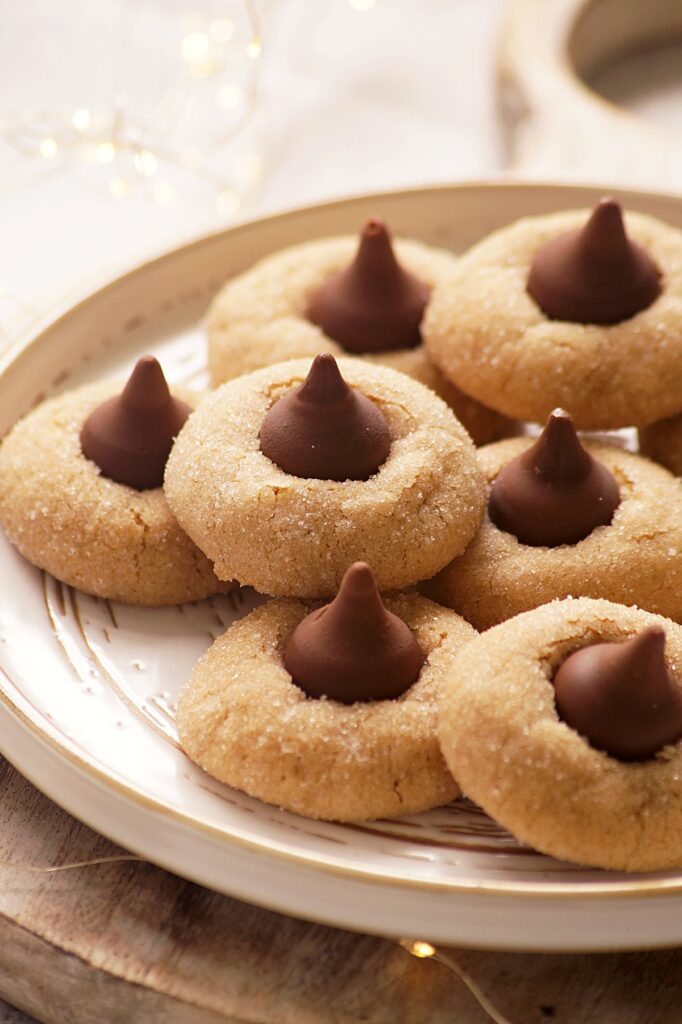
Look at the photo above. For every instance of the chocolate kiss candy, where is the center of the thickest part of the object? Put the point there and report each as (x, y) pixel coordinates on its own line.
(373, 305)
(555, 493)
(594, 274)
(354, 649)
(130, 436)
(621, 697)
(325, 430)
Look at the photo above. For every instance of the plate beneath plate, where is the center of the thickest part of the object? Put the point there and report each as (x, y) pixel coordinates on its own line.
(87, 687)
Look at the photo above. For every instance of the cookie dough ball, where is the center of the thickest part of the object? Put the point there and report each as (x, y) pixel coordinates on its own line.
(262, 317)
(103, 537)
(493, 340)
(636, 558)
(244, 721)
(505, 742)
(292, 536)
(662, 442)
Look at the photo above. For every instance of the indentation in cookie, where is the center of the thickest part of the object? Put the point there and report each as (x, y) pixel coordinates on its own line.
(621, 696)
(354, 649)
(555, 492)
(594, 274)
(374, 305)
(130, 436)
(326, 430)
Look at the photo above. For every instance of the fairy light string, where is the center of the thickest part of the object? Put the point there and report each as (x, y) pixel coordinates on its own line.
(206, 48)
(418, 948)
(423, 950)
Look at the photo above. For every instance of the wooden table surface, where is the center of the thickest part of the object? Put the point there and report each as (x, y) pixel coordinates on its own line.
(126, 942)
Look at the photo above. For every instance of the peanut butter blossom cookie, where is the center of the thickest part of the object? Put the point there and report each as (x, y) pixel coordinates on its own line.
(578, 309)
(564, 724)
(329, 712)
(81, 496)
(287, 475)
(662, 442)
(323, 297)
(567, 518)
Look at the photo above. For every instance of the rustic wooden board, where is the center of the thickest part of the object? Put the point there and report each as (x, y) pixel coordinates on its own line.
(127, 942)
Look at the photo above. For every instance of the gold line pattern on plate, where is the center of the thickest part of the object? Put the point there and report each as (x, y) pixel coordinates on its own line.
(60, 636)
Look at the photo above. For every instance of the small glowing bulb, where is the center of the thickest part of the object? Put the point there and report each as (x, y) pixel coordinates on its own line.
(163, 193)
(146, 163)
(229, 202)
(196, 53)
(421, 949)
(119, 187)
(194, 47)
(221, 30)
(254, 49)
(230, 97)
(48, 148)
(81, 119)
(105, 152)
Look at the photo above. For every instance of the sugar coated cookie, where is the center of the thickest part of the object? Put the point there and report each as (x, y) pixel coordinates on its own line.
(113, 539)
(368, 466)
(574, 520)
(564, 724)
(245, 721)
(333, 296)
(610, 348)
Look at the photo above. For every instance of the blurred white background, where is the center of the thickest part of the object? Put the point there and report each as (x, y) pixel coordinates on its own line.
(127, 126)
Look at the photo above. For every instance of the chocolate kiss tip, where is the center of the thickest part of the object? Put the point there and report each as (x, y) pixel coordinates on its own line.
(554, 493)
(353, 649)
(130, 436)
(326, 430)
(359, 579)
(146, 388)
(375, 226)
(594, 274)
(622, 696)
(374, 305)
(558, 454)
(324, 382)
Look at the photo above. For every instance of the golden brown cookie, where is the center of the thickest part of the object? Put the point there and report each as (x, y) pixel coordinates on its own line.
(92, 533)
(490, 337)
(244, 721)
(259, 318)
(295, 537)
(662, 442)
(504, 741)
(636, 559)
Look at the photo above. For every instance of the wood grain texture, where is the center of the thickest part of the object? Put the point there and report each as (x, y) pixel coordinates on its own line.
(128, 942)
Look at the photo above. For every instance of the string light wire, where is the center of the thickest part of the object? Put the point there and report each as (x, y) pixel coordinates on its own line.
(56, 146)
(418, 948)
(425, 950)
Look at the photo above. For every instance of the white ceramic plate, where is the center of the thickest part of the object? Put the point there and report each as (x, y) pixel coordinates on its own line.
(87, 688)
